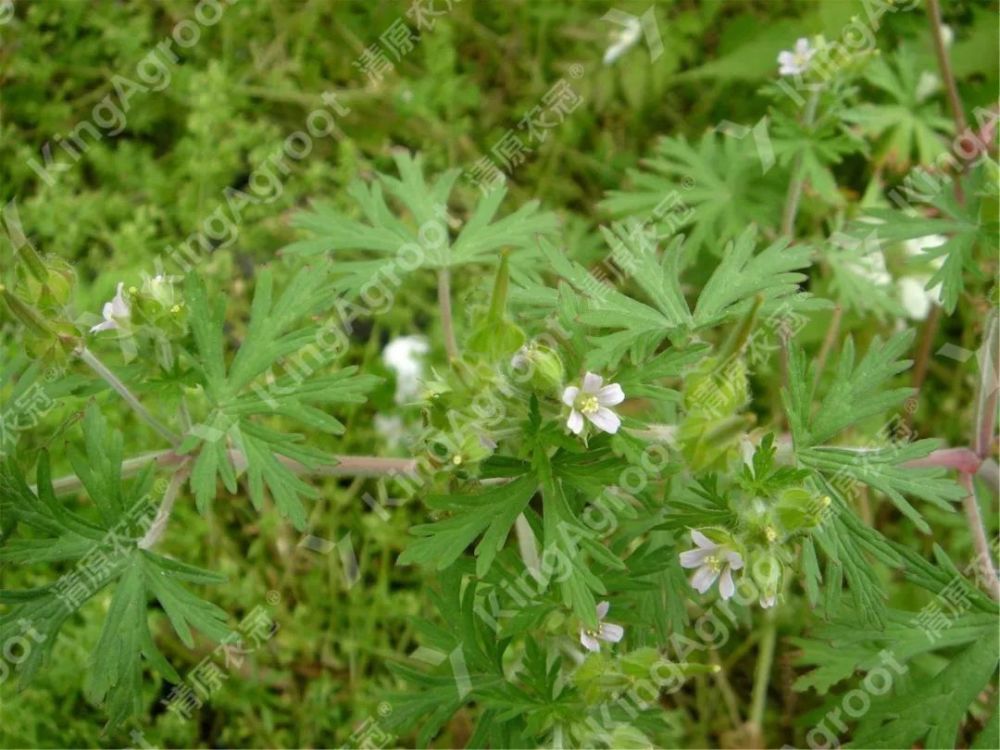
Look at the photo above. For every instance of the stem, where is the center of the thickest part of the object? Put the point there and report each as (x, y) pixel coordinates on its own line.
(345, 466)
(111, 379)
(762, 676)
(986, 393)
(944, 63)
(984, 558)
(444, 301)
(829, 340)
(797, 182)
(728, 695)
(159, 525)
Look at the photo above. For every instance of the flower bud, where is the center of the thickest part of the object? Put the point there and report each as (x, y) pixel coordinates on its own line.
(540, 367)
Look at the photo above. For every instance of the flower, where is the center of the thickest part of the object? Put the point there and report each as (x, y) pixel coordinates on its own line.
(403, 355)
(711, 561)
(606, 631)
(797, 62)
(916, 246)
(916, 298)
(624, 40)
(768, 600)
(116, 312)
(592, 401)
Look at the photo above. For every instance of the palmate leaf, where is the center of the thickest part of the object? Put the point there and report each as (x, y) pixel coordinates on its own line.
(930, 712)
(911, 128)
(855, 393)
(969, 225)
(110, 544)
(718, 178)
(883, 469)
(421, 226)
(490, 513)
(742, 279)
(231, 439)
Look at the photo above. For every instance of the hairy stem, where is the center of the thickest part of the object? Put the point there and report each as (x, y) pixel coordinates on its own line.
(797, 182)
(762, 676)
(111, 379)
(984, 558)
(444, 302)
(159, 525)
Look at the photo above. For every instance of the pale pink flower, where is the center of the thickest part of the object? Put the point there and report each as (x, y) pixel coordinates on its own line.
(796, 62)
(606, 631)
(116, 313)
(592, 401)
(713, 561)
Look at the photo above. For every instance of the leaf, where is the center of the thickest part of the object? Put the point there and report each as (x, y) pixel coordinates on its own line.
(231, 438)
(422, 237)
(110, 548)
(490, 513)
(710, 189)
(883, 469)
(742, 276)
(930, 712)
(854, 394)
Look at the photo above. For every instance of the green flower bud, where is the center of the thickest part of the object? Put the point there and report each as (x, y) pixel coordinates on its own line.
(540, 367)
(799, 509)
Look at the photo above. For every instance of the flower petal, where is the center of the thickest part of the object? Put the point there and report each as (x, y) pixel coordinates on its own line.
(768, 600)
(107, 325)
(785, 58)
(602, 610)
(693, 558)
(589, 642)
(592, 382)
(734, 559)
(726, 586)
(610, 395)
(703, 579)
(570, 393)
(702, 541)
(606, 420)
(611, 632)
(575, 422)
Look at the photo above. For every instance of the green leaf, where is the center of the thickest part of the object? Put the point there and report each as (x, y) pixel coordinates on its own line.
(490, 513)
(231, 437)
(855, 393)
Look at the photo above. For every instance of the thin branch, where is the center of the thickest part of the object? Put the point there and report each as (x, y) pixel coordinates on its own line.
(797, 182)
(444, 302)
(984, 557)
(944, 64)
(156, 529)
(111, 379)
(829, 340)
(762, 676)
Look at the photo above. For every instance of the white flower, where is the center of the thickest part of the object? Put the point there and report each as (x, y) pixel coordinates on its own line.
(606, 631)
(927, 84)
(796, 63)
(403, 355)
(626, 38)
(768, 600)
(872, 267)
(916, 298)
(390, 428)
(592, 401)
(947, 35)
(711, 561)
(116, 313)
(916, 247)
